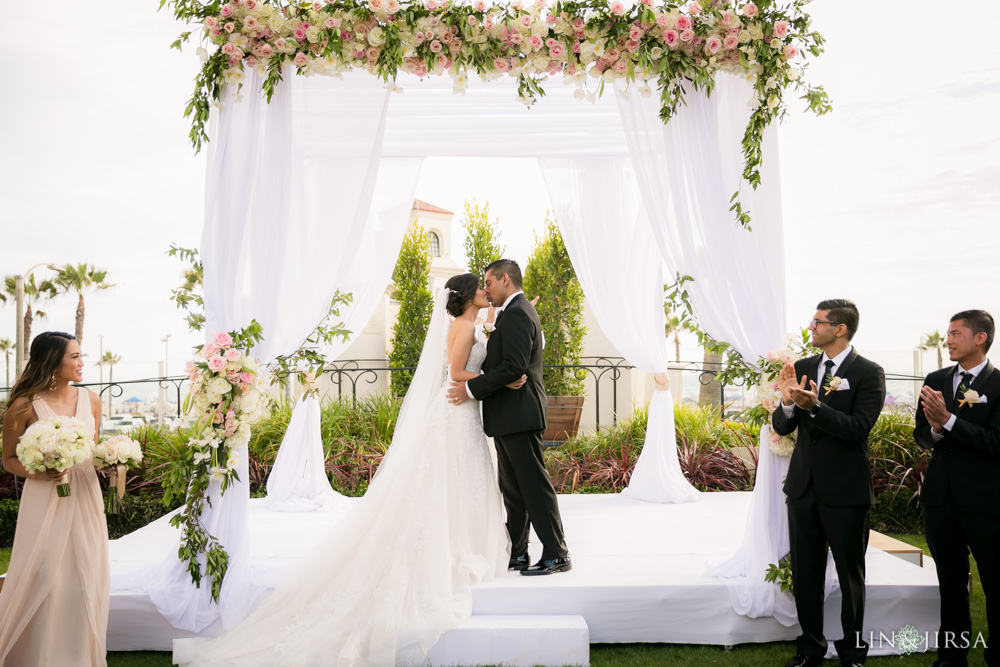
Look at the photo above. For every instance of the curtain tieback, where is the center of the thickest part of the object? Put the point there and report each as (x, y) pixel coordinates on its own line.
(661, 382)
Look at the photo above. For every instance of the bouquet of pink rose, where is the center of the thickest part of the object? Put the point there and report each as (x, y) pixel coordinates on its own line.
(116, 454)
(56, 443)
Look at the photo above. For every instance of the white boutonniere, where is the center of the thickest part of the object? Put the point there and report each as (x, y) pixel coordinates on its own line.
(836, 384)
(487, 329)
(971, 396)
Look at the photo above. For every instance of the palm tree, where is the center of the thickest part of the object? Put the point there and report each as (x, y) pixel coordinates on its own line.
(934, 341)
(6, 345)
(109, 359)
(81, 279)
(33, 293)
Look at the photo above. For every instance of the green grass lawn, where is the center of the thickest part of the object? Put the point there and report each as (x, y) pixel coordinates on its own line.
(658, 655)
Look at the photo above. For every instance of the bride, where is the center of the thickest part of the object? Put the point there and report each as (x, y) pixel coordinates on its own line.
(396, 573)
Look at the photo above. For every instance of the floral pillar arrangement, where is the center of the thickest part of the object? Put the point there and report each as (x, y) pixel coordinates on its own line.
(227, 397)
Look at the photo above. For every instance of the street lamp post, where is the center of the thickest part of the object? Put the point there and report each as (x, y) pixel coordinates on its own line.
(19, 358)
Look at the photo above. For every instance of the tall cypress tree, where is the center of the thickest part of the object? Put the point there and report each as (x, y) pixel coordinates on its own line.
(412, 279)
(482, 238)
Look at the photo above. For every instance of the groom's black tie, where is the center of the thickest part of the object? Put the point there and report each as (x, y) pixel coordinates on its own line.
(963, 386)
(496, 322)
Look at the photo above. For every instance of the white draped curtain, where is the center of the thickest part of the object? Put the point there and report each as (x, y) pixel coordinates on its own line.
(611, 245)
(687, 171)
(287, 212)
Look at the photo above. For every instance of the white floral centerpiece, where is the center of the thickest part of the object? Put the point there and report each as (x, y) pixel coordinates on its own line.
(57, 443)
(116, 454)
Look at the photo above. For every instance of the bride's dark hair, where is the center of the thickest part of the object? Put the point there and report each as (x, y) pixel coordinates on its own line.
(463, 290)
(46, 355)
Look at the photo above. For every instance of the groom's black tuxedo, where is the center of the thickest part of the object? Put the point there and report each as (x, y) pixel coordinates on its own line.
(829, 490)
(515, 418)
(960, 496)
(514, 349)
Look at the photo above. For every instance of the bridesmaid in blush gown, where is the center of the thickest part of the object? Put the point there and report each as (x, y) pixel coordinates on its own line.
(54, 604)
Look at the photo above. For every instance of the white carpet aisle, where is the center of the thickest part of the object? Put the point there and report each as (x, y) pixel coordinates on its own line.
(638, 576)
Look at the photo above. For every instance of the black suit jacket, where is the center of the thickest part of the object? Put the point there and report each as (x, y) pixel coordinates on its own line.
(832, 448)
(966, 462)
(514, 349)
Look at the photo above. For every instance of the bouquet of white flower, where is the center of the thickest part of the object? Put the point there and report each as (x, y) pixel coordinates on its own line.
(117, 454)
(56, 443)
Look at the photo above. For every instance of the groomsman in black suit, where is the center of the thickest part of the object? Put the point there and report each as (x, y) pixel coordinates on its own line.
(833, 399)
(958, 418)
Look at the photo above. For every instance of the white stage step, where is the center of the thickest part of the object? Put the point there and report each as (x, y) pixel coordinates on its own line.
(515, 641)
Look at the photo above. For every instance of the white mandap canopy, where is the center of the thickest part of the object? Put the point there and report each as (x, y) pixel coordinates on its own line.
(310, 194)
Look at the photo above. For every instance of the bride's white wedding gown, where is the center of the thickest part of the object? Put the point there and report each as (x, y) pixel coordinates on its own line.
(397, 571)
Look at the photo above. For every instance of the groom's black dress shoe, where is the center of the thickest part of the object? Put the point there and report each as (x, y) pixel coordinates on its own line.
(549, 566)
(804, 661)
(519, 562)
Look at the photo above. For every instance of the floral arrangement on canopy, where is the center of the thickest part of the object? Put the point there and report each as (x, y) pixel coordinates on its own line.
(588, 42)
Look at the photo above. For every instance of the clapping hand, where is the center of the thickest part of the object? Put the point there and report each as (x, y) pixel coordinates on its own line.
(805, 398)
(934, 408)
(786, 380)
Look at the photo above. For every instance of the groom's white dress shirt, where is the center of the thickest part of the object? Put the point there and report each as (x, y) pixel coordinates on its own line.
(499, 310)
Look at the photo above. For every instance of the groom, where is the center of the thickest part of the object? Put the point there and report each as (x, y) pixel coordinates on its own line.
(515, 419)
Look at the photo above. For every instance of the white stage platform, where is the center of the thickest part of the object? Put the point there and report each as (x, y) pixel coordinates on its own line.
(638, 576)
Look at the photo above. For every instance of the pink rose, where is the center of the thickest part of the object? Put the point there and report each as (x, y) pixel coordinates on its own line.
(525, 21)
(634, 34)
(683, 23)
(299, 60)
(750, 10)
(280, 43)
(578, 24)
(229, 48)
(687, 35)
(781, 29)
(250, 5)
(211, 22)
(576, 48)
(336, 23)
(790, 52)
(217, 418)
(246, 377)
(329, 23)
(713, 44)
(536, 42)
(431, 5)
(557, 51)
(443, 61)
(694, 8)
(621, 66)
(222, 339)
(250, 23)
(375, 5)
(632, 45)
(550, 42)
(670, 37)
(472, 20)
(216, 364)
(251, 62)
(229, 27)
(613, 54)
(617, 8)
(236, 3)
(501, 64)
(435, 46)
(299, 35)
(208, 350)
(727, 18)
(516, 38)
(232, 354)
(226, 12)
(731, 42)
(189, 366)
(392, 6)
(479, 5)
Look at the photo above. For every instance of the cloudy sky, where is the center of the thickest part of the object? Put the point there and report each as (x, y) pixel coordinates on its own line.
(892, 200)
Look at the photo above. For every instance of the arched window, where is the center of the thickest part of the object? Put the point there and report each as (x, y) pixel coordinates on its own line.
(435, 243)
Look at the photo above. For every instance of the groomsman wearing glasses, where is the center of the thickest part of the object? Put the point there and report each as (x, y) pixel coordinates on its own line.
(958, 418)
(833, 399)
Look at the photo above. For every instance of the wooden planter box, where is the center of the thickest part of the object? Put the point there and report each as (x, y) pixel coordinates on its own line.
(563, 418)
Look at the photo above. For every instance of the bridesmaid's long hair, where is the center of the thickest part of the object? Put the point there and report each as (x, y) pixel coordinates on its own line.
(47, 352)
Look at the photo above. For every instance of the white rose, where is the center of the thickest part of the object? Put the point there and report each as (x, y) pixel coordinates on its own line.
(376, 37)
(111, 452)
(275, 22)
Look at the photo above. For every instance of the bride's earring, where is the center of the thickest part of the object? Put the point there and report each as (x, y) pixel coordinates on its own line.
(52, 383)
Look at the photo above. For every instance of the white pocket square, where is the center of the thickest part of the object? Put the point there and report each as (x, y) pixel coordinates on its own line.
(844, 385)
